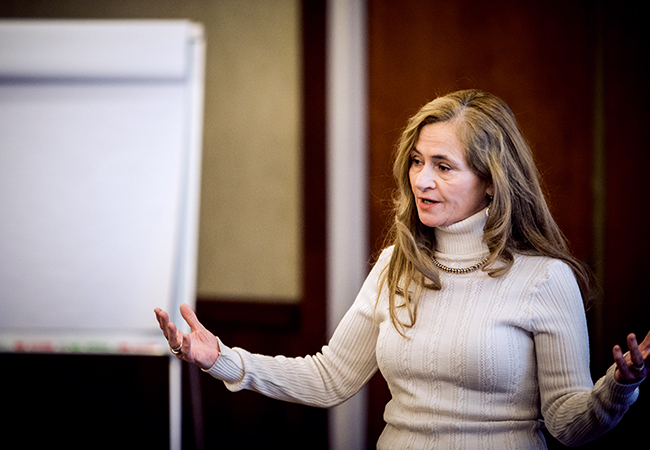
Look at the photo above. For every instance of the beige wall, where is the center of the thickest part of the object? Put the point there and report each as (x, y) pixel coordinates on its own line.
(250, 228)
(250, 210)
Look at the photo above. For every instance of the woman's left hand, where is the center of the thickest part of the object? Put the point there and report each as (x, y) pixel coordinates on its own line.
(200, 347)
(633, 365)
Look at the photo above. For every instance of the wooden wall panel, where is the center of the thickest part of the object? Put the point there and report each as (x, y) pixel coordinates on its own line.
(537, 56)
(627, 161)
(626, 307)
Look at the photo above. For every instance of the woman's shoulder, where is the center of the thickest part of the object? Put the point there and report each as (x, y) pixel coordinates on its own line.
(381, 260)
(386, 253)
(382, 257)
(543, 262)
(544, 270)
(550, 290)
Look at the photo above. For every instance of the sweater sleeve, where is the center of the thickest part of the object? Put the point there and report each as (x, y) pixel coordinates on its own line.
(324, 379)
(574, 410)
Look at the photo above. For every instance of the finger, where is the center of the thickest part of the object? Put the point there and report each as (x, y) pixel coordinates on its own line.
(631, 340)
(175, 336)
(645, 344)
(622, 368)
(184, 353)
(163, 322)
(181, 352)
(619, 357)
(636, 358)
(169, 330)
(190, 317)
(162, 318)
(172, 334)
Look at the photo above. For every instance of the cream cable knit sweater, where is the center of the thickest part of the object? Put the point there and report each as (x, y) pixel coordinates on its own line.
(488, 362)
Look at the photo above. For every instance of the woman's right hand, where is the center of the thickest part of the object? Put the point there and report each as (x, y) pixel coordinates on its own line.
(199, 347)
(634, 365)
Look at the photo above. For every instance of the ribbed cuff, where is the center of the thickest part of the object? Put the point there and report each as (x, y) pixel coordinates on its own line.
(228, 367)
(624, 394)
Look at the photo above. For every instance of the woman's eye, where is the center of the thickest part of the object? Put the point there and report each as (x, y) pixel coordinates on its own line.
(444, 168)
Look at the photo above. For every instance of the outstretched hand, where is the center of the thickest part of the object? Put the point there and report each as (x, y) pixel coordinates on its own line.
(199, 347)
(633, 365)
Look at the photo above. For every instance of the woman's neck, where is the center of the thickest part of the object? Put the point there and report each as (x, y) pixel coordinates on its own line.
(464, 237)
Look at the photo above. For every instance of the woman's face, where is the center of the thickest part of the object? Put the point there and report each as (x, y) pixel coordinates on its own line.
(446, 190)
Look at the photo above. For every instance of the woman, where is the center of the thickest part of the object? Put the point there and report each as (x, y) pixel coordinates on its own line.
(474, 314)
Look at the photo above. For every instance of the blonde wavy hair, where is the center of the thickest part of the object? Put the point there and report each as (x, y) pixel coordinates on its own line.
(519, 220)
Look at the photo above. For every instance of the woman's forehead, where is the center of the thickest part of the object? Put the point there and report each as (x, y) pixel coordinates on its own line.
(440, 140)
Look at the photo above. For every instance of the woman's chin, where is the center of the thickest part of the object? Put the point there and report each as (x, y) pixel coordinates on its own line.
(430, 220)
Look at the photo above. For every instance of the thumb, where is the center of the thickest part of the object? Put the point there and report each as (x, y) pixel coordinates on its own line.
(190, 317)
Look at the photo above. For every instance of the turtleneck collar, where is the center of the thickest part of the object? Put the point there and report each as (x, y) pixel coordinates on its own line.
(462, 238)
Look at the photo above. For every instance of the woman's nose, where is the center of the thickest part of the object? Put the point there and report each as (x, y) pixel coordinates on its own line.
(425, 179)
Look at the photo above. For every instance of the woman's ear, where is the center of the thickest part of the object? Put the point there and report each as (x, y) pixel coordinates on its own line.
(489, 190)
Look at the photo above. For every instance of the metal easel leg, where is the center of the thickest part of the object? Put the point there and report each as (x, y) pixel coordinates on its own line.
(175, 403)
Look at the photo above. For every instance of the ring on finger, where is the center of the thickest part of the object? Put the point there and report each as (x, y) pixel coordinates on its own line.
(176, 351)
(638, 368)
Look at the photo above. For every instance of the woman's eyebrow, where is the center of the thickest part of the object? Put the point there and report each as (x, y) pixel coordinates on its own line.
(436, 157)
(443, 158)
